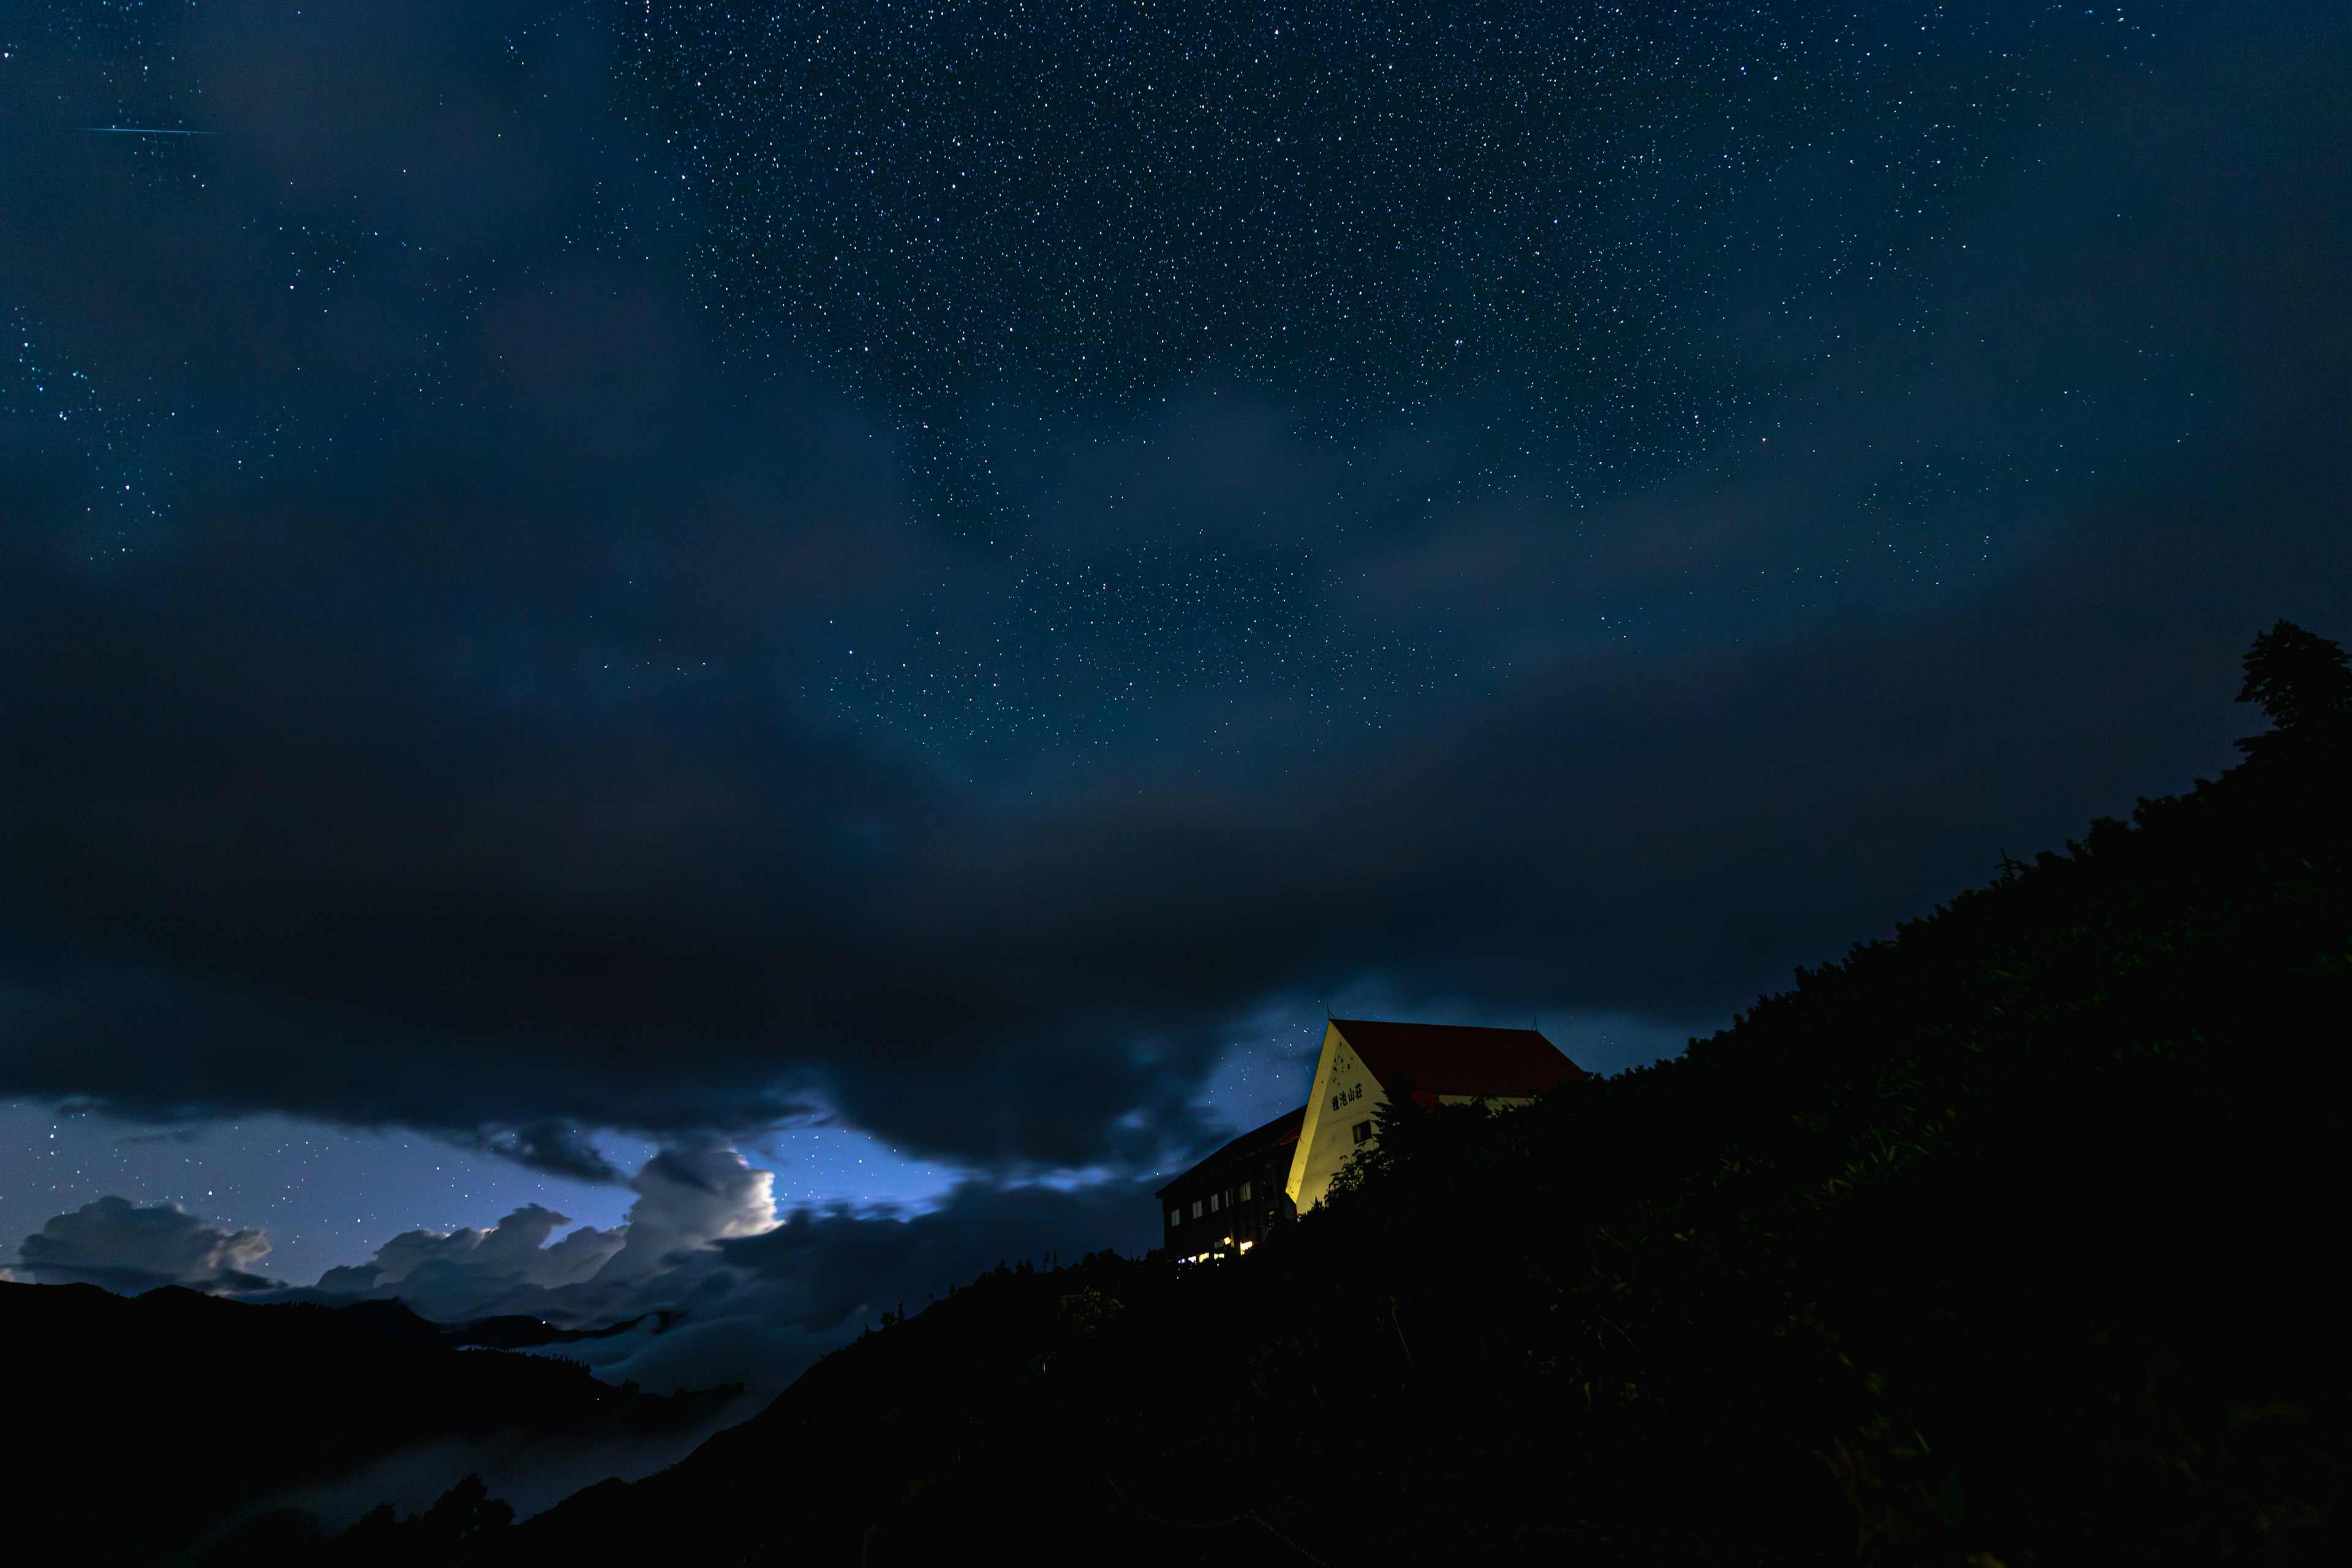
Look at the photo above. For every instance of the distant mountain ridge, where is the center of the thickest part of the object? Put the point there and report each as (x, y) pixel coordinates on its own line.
(392, 1320)
(150, 1420)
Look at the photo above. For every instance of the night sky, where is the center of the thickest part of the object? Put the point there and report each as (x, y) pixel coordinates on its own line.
(859, 614)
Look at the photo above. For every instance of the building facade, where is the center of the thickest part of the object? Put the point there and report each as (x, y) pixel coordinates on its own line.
(1233, 1199)
(1367, 1063)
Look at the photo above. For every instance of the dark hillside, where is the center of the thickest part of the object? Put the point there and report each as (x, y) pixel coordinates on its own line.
(141, 1424)
(2008, 1240)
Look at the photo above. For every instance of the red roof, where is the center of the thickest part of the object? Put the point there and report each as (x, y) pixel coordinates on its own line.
(1283, 1129)
(1452, 1058)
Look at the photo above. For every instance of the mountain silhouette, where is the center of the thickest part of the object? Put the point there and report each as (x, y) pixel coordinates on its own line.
(150, 1421)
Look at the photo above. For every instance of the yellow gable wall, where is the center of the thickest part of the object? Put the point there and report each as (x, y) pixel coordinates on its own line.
(1325, 1142)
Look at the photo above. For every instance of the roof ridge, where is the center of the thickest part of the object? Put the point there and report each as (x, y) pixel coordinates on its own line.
(1283, 1129)
(1458, 1059)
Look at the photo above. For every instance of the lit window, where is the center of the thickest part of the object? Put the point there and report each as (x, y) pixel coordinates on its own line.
(1247, 1245)
(1175, 1217)
(1363, 1132)
(1246, 1192)
(1212, 1203)
(1196, 1208)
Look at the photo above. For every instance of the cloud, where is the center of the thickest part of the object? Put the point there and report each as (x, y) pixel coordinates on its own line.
(114, 1244)
(458, 686)
(771, 1303)
(690, 1199)
(729, 1292)
(726, 1290)
(449, 1268)
(549, 1146)
(827, 1269)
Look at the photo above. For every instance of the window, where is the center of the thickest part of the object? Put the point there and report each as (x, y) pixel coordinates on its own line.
(1176, 1217)
(1246, 1192)
(1212, 1203)
(1363, 1132)
(1229, 1197)
(1196, 1208)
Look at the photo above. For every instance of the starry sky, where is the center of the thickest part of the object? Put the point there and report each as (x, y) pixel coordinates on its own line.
(914, 590)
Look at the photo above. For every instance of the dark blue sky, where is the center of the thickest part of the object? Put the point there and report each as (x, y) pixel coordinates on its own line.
(587, 576)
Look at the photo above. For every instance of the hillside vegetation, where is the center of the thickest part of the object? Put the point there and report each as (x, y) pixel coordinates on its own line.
(2010, 1239)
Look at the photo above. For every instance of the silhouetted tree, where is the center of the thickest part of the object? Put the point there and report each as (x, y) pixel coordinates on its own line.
(2299, 680)
(377, 1539)
(465, 1524)
(465, 1513)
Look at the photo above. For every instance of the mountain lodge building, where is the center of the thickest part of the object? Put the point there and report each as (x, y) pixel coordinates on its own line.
(1230, 1202)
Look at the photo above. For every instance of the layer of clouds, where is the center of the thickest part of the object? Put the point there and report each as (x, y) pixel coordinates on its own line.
(716, 1286)
(512, 1253)
(770, 1303)
(690, 1199)
(448, 686)
(705, 1281)
(120, 1247)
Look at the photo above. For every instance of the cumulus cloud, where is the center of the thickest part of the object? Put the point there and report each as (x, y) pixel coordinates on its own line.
(702, 1283)
(690, 1200)
(449, 1266)
(115, 1244)
(708, 1284)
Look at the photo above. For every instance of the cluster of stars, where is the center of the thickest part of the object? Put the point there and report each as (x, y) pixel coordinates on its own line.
(1516, 223)
(950, 199)
(976, 212)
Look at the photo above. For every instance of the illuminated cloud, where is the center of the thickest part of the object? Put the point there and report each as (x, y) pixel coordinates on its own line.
(114, 1244)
